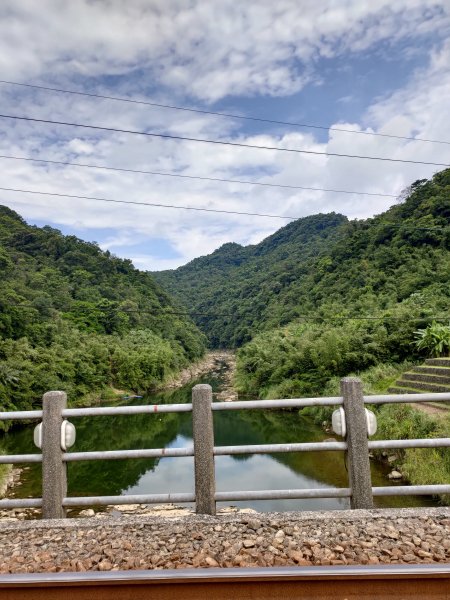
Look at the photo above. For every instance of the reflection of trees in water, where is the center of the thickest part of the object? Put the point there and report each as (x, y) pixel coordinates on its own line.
(125, 432)
(248, 427)
(244, 427)
(105, 477)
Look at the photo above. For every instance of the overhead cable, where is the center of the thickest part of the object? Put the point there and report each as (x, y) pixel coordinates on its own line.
(209, 314)
(219, 142)
(154, 204)
(219, 113)
(158, 205)
(164, 174)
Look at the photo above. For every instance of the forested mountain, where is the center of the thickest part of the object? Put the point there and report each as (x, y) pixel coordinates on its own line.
(79, 319)
(322, 265)
(325, 297)
(246, 289)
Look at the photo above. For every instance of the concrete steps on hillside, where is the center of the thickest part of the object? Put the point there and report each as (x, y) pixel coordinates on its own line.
(433, 376)
(432, 370)
(438, 362)
(439, 379)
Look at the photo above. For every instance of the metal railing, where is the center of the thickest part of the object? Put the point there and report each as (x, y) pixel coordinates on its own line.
(54, 458)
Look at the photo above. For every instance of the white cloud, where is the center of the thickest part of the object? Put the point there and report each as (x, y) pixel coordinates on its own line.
(207, 49)
(255, 47)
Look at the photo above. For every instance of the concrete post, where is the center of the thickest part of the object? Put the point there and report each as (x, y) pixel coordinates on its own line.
(54, 474)
(358, 463)
(203, 434)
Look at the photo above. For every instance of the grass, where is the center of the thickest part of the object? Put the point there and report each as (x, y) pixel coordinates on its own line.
(4, 470)
(420, 466)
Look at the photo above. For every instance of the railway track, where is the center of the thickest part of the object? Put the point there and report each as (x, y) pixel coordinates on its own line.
(424, 582)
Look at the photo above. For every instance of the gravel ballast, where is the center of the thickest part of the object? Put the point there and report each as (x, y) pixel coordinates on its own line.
(239, 540)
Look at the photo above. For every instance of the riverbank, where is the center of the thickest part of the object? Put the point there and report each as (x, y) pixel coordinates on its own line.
(415, 466)
(256, 540)
(216, 362)
(213, 362)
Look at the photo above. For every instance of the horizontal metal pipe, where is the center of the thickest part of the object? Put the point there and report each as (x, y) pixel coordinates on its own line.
(21, 503)
(137, 499)
(393, 398)
(20, 414)
(218, 451)
(419, 443)
(126, 410)
(292, 403)
(121, 454)
(239, 405)
(13, 459)
(283, 494)
(269, 448)
(411, 490)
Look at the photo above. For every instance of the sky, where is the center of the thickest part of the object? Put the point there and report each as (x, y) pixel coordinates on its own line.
(367, 66)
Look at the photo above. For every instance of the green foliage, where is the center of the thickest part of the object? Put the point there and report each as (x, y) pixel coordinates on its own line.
(403, 421)
(328, 267)
(376, 380)
(308, 359)
(435, 339)
(75, 318)
(421, 466)
(301, 358)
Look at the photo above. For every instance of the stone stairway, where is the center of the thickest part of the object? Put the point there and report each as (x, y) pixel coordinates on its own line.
(432, 376)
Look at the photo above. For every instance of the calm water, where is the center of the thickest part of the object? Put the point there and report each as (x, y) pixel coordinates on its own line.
(245, 472)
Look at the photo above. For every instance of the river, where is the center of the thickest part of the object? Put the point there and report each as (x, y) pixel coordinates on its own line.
(175, 475)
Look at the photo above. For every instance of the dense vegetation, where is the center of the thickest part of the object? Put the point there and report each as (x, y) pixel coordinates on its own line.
(75, 318)
(245, 290)
(394, 268)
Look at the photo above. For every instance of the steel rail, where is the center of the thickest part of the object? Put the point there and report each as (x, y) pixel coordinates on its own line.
(226, 450)
(283, 494)
(13, 459)
(324, 583)
(238, 405)
(411, 490)
(415, 443)
(274, 448)
(282, 403)
(189, 451)
(233, 496)
(169, 408)
(21, 415)
(126, 410)
(123, 454)
(21, 503)
(407, 398)
(132, 499)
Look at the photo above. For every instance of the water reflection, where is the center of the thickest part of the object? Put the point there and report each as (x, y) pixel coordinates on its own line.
(174, 475)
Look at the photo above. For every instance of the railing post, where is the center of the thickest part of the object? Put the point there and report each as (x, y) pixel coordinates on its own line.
(54, 474)
(358, 463)
(203, 435)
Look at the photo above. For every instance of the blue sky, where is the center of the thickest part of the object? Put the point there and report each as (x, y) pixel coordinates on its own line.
(372, 66)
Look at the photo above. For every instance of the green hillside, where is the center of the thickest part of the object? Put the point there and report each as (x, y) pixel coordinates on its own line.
(325, 266)
(75, 318)
(248, 289)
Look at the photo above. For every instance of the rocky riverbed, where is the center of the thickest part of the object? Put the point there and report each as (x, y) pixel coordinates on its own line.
(213, 362)
(230, 540)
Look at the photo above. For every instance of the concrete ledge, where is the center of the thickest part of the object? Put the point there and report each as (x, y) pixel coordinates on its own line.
(300, 517)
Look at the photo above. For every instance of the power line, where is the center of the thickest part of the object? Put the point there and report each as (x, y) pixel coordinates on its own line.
(164, 174)
(154, 204)
(220, 142)
(209, 314)
(157, 205)
(220, 114)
